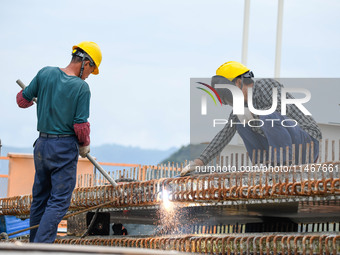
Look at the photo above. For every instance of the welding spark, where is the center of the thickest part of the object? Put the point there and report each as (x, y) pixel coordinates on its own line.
(167, 204)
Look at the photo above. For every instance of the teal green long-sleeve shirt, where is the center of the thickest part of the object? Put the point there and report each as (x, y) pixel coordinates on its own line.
(62, 100)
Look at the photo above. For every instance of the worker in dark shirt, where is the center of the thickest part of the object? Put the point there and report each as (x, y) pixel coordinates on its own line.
(63, 104)
(256, 137)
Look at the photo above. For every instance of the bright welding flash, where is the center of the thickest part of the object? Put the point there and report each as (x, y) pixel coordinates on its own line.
(166, 202)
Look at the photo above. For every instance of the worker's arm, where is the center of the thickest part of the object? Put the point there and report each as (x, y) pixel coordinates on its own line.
(81, 125)
(82, 131)
(25, 96)
(23, 102)
(219, 141)
(214, 148)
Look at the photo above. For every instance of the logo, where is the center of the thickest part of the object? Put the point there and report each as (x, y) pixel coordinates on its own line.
(204, 97)
(238, 99)
(245, 114)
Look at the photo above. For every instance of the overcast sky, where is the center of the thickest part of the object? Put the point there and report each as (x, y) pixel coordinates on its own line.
(151, 49)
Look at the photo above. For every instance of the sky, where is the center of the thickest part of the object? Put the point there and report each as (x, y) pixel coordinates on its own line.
(151, 49)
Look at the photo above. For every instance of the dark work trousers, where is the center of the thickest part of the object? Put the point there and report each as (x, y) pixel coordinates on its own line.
(55, 162)
(277, 136)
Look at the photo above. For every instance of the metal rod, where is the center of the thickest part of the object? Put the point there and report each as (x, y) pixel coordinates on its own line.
(101, 170)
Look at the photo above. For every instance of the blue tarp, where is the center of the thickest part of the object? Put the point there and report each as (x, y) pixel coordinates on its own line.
(10, 224)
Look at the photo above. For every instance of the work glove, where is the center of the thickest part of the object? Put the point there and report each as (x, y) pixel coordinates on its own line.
(83, 150)
(191, 167)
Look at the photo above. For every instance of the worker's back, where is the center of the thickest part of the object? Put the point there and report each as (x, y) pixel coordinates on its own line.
(62, 100)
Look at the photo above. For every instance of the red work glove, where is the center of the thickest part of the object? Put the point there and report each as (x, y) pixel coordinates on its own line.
(22, 102)
(82, 131)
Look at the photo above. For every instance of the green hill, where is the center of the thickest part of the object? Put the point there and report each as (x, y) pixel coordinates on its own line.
(188, 152)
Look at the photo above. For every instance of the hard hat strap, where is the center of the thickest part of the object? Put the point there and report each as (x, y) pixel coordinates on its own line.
(82, 64)
(82, 68)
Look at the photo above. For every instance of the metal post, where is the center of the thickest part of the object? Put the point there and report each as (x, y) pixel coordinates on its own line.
(278, 40)
(245, 32)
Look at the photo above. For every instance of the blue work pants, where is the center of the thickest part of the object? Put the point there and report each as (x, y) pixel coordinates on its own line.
(55, 162)
(277, 136)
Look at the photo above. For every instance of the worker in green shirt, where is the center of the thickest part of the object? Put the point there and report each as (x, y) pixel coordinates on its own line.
(63, 103)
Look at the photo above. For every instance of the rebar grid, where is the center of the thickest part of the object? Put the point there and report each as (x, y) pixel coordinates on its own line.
(304, 181)
(230, 244)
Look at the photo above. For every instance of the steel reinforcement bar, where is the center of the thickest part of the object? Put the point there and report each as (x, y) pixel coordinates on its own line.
(231, 186)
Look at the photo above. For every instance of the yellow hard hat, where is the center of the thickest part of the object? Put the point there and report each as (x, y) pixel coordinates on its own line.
(93, 50)
(231, 70)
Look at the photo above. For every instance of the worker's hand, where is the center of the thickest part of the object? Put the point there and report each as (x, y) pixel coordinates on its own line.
(191, 167)
(83, 150)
